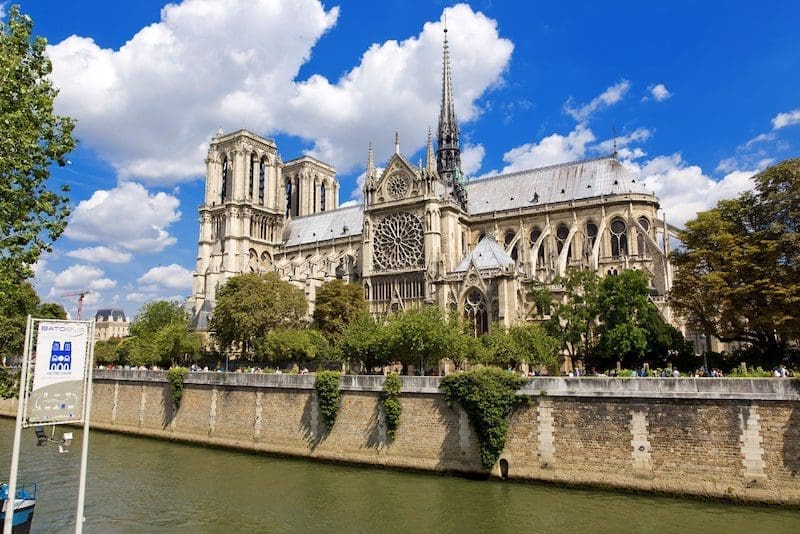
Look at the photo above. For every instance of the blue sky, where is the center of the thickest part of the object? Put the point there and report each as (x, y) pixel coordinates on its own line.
(700, 98)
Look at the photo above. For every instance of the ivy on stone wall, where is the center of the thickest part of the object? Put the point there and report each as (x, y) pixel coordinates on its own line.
(391, 404)
(328, 396)
(176, 375)
(489, 396)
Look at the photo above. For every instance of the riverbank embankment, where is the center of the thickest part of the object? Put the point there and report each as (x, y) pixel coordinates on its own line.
(735, 439)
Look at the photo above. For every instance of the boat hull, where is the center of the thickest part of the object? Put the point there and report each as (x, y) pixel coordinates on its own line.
(23, 515)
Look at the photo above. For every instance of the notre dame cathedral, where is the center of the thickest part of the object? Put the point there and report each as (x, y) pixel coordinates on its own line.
(424, 234)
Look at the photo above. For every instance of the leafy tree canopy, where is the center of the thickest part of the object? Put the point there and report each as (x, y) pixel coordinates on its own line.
(297, 344)
(423, 336)
(365, 340)
(32, 138)
(337, 304)
(155, 315)
(738, 272)
(250, 305)
(16, 303)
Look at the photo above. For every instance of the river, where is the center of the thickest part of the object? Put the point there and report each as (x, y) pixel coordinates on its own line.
(143, 485)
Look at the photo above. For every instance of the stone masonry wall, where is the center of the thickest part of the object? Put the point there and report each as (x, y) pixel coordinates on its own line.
(724, 438)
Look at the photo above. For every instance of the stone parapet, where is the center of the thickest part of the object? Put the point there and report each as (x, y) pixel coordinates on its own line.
(776, 389)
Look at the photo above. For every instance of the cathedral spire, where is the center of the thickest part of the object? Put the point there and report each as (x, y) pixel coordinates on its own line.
(430, 159)
(370, 162)
(396, 142)
(448, 153)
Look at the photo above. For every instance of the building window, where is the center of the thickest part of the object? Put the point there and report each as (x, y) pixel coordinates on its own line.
(262, 175)
(288, 198)
(536, 233)
(619, 238)
(591, 235)
(314, 203)
(475, 310)
(641, 241)
(562, 233)
(322, 197)
(225, 175)
(508, 238)
(250, 182)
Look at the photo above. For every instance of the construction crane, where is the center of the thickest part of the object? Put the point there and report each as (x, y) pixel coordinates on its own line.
(80, 295)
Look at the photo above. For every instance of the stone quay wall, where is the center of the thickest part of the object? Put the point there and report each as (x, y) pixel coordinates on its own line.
(735, 439)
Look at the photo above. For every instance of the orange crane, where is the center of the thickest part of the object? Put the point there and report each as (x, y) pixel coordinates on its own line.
(80, 295)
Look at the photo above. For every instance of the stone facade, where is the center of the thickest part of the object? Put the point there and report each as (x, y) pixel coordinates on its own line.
(724, 438)
(110, 322)
(423, 233)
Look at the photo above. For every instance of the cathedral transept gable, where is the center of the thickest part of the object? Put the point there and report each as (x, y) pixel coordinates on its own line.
(400, 180)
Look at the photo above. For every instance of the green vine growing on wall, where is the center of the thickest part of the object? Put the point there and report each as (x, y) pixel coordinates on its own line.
(391, 404)
(176, 375)
(328, 396)
(489, 396)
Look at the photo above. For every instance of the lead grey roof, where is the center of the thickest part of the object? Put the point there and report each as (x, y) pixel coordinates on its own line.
(333, 224)
(110, 314)
(487, 254)
(558, 183)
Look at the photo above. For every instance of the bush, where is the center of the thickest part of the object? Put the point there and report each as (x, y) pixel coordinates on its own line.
(328, 396)
(9, 383)
(391, 404)
(176, 376)
(756, 372)
(489, 396)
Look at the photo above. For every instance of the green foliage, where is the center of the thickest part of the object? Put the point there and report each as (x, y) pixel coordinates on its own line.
(752, 372)
(328, 396)
(298, 344)
(738, 273)
(176, 375)
(337, 305)
(105, 351)
(489, 396)
(16, 303)
(391, 404)
(9, 383)
(421, 337)
(32, 138)
(250, 305)
(160, 335)
(521, 343)
(365, 340)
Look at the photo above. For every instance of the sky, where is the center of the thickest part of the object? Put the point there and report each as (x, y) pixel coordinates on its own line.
(698, 97)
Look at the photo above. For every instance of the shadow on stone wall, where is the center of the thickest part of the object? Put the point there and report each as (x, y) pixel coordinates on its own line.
(372, 434)
(313, 435)
(170, 411)
(791, 441)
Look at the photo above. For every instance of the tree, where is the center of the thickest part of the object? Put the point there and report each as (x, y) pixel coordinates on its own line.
(16, 303)
(159, 334)
(32, 138)
(105, 350)
(738, 272)
(250, 305)
(176, 344)
(337, 305)
(297, 344)
(521, 343)
(419, 337)
(155, 315)
(365, 340)
(621, 301)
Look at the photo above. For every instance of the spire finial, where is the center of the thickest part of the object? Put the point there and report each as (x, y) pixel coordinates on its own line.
(396, 142)
(614, 135)
(370, 163)
(430, 159)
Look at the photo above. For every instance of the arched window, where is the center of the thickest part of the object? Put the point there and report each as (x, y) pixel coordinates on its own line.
(475, 310)
(225, 175)
(536, 233)
(288, 198)
(508, 238)
(322, 197)
(314, 203)
(641, 241)
(590, 238)
(619, 238)
(250, 175)
(262, 176)
(562, 233)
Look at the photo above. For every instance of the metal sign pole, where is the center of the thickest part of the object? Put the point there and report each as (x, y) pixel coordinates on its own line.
(8, 524)
(87, 409)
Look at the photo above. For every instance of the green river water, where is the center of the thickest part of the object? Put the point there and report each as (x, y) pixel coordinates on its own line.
(143, 485)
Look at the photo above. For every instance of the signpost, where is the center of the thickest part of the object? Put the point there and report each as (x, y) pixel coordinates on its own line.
(61, 392)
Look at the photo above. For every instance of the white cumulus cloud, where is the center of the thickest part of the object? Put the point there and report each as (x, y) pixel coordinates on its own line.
(101, 254)
(127, 216)
(472, 159)
(551, 150)
(607, 98)
(80, 277)
(659, 92)
(167, 277)
(150, 107)
(782, 120)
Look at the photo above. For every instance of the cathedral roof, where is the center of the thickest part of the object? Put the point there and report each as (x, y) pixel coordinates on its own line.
(333, 224)
(557, 183)
(487, 254)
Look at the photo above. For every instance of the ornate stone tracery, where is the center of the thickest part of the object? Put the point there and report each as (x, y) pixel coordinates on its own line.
(399, 241)
(397, 186)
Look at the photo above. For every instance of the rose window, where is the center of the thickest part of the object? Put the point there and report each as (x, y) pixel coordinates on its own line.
(399, 241)
(397, 186)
